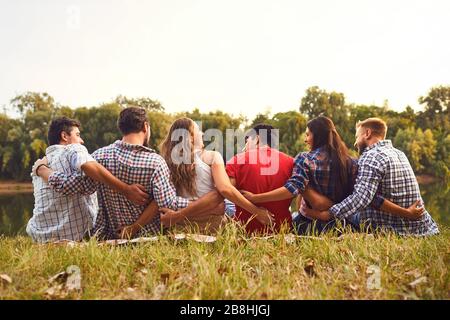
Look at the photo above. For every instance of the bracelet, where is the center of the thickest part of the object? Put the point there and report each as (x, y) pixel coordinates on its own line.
(37, 169)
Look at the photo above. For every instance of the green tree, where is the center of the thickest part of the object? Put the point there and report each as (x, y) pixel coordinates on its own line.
(318, 102)
(419, 146)
(291, 126)
(141, 102)
(436, 114)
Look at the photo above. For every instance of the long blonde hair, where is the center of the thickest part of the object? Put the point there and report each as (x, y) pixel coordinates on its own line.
(178, 151)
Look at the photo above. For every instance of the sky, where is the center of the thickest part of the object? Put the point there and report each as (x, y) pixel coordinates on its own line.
(243, 57)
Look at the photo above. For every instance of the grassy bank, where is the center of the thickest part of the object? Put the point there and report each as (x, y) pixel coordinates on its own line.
(233, 267)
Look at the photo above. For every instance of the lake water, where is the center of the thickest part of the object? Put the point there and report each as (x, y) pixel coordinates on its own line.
(16, 209)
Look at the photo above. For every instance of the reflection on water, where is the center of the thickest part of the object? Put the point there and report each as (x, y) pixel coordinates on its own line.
(437, 199)
(17, 209)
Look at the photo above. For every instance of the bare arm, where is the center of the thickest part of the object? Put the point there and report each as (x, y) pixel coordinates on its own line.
(148, 215)
(226, 189)
(412, 213)
(275, 195)
(316, 200)
(210, 203)
(321, 203)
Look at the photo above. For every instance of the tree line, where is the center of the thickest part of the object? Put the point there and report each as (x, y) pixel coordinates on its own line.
(424, 136)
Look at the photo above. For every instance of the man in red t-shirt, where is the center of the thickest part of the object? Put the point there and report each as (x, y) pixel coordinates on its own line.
(261, 169)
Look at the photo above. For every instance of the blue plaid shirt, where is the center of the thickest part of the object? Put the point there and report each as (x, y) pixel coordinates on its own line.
(131, 164)
(59, 216)
(386, 171)
(314, 169)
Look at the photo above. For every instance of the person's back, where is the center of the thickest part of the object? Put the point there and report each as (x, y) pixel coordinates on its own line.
(57, 216)
(314, 169)
(248, 170)
(399, 185)
(204, 183)
(133, 164)
(385, 172)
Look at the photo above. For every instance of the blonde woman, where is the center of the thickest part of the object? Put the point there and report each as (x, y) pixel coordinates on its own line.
(195, 172)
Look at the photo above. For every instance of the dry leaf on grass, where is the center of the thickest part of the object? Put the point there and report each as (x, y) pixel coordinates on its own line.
(56, 292)
(120, 242)
(417, 282)
(290, 238)
(64, 283)
(143, 271)
(415, 273)
(195, 237)
(201, 238)
(4, 278)
(144, 239)
(353, 287)
(59, 277)
(73, 282)
(67, 243)
(159, 291)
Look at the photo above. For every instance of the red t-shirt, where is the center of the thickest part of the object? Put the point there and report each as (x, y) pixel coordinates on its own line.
(258, 171)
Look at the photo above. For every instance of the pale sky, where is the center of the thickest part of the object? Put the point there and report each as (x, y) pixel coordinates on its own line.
(238, 56)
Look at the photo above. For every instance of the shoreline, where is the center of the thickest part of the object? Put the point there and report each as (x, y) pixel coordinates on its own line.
(425, 179)
(11, 186)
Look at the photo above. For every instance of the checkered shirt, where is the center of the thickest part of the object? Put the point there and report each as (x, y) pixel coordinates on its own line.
(314, 169)
(57, 216)
(386, 171)
(131, 164)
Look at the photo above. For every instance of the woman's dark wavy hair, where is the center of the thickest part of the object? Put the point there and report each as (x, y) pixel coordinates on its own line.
(325, 135)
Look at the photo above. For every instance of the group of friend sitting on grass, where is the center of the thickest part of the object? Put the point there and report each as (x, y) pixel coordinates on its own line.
(128, 190)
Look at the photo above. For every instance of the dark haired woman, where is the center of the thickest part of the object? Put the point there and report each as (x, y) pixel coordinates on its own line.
(327, 169)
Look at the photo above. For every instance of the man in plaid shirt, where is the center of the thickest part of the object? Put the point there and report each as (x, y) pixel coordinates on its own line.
(386, 171)
(132, 161)
(69, 217)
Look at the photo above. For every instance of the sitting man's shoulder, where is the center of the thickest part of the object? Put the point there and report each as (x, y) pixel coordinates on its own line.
(211, 157)
(77, 147)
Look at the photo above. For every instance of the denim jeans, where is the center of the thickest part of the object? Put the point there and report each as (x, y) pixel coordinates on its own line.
(304, 225)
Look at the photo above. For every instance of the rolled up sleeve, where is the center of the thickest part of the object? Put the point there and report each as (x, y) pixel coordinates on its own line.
(164, 191)
(370, 173)
(299, 180)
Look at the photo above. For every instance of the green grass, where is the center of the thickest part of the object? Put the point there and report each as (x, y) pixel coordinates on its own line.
(235, 267)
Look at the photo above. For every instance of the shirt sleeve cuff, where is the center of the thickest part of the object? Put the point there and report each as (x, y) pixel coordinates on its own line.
(292, 188)
(52, 177)
(377, 202)
(334, 211)
(181, 203)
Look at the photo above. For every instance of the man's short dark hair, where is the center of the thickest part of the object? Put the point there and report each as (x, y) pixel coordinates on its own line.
(58, 126)
(264, 132)
(132, 120)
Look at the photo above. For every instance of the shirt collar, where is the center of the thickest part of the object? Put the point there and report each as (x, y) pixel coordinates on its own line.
(381, 143)
(53, 148)
(131, 147)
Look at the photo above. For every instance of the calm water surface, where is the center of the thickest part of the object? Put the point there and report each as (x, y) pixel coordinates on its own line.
(17, 208)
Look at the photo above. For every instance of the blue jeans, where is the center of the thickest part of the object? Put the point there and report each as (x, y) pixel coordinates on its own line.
(304, 225)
